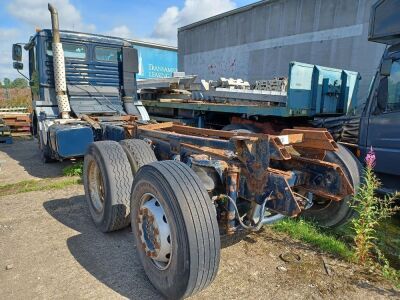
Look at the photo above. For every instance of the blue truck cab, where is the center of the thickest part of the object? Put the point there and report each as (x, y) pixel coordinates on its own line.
(380, 119)
(98, 78)
(92, 74)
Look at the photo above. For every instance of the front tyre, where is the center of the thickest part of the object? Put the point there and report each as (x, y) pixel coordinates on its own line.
(175, 227)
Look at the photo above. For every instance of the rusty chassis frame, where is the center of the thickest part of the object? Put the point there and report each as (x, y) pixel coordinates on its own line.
(252, 178)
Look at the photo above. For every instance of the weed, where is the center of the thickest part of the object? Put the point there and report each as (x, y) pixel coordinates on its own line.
(372, 210)
(74, 170)
(37, 185)
(311, 234)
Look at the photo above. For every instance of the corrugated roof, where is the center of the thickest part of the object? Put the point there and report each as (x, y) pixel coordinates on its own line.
(226, 14)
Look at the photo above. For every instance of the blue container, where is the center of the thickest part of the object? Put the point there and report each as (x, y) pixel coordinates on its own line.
(317, 90)
(70, 140)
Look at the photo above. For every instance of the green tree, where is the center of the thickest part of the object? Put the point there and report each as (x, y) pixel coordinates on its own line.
(7, 82)
(20, 83)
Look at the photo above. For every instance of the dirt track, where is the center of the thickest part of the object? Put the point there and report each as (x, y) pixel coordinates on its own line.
(54, 251)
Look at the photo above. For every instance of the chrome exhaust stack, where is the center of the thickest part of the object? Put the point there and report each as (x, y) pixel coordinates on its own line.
(59, 67)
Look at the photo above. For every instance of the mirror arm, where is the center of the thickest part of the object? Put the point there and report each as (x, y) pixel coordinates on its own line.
(23, 75)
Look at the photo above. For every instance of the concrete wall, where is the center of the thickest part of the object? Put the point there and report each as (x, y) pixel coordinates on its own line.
(259, 41)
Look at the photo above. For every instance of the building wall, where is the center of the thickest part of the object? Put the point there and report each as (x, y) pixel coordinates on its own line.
(259, 41)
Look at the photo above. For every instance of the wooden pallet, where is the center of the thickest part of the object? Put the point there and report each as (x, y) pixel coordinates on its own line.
(19, 123)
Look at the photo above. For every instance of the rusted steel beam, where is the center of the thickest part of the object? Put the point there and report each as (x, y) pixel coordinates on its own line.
(323, 178)
(209, 132)
(280, 152)
(232, 187)
(290, 139)
(127, 118)
(184, 138)
(217, 153)
(315, 139)
(157, 126)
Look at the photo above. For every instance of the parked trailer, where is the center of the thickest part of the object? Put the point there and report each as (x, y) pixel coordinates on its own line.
(311, 91)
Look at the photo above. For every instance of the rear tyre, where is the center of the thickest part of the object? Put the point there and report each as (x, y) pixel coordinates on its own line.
(45, 151)
(139, 153)
(333, 214)
(107, 179)
(241, 128)
(175, 227)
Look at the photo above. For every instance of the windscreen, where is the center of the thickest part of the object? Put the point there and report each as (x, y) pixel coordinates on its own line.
(385, 21)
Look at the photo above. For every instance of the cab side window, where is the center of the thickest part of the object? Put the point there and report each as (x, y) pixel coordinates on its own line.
(393, 102)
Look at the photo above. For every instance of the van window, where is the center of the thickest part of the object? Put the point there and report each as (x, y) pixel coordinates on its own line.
(106, 54)
(77, 51)
(394, 87)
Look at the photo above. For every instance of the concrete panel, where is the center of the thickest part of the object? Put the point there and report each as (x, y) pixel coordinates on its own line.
(259, 41)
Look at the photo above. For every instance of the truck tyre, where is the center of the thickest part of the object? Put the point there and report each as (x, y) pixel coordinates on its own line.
(139, 153)
(45, 152)
(46, 155)
(175, 227)
(107, 179)
(333, 214)
(241, 128)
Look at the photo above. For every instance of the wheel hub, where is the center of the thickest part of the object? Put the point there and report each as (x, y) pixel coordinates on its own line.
(154, 231)
(96, 187)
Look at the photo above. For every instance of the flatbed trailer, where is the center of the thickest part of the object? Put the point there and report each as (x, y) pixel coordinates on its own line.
(312, 91)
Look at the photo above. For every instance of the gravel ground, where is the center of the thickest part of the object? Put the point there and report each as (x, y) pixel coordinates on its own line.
(21, 161)
(51, 249)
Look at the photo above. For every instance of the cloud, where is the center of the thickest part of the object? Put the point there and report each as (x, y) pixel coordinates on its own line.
(7, 37)
(120, 31)
(36, 14)
(192, 11)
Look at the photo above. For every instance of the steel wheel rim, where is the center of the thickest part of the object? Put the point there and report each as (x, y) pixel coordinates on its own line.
(96, 187)
(154, 231)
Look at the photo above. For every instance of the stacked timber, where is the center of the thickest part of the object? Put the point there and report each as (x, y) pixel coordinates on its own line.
(18, 122)
(5, 133)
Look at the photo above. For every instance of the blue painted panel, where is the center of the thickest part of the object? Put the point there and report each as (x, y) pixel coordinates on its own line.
(70, 141)
(156, 63)
(315, 90)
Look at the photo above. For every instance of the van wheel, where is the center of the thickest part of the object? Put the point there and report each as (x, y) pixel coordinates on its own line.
(107, 179)
(331, 214)
(175, 227)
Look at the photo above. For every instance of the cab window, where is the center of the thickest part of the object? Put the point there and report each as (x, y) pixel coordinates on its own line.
(77, 51)
(106, 54)
(393, 102)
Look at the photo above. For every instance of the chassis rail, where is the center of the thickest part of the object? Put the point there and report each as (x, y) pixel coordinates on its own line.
(276, 173)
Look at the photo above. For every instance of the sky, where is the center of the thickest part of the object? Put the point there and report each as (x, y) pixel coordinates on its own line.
(148, 20)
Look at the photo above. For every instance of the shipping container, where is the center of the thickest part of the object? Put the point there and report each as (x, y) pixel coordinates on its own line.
(258, 41)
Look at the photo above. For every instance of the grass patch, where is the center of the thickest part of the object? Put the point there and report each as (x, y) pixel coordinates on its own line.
(74, 170)
(37, 185)
(311, 234)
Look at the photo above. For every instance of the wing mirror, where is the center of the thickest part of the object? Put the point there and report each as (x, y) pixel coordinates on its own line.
(386, 67)
(17, 52)
(18, 65)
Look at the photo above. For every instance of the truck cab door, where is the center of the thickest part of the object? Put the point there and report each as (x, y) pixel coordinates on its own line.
(384, 123)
